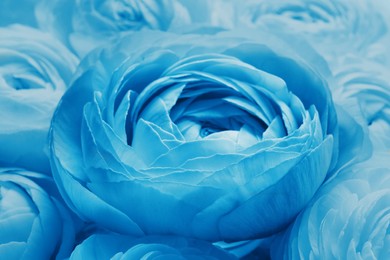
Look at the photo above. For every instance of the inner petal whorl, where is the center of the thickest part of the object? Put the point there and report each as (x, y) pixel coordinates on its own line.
(212, 113)
(193, 100)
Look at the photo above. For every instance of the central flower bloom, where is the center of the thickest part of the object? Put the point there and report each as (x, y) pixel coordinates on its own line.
(196, 103)
(86, 24)
(225, 141)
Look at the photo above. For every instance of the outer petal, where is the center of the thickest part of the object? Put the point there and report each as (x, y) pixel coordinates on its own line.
(160, 247)
(30, 217)
(348, 218)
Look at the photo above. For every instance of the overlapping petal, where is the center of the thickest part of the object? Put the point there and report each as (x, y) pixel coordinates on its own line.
(33, 224)
(333, 28)
(34, 72)
(204, 141)
(86, 24)
(349, 217)
(114, 246)
(368, 83)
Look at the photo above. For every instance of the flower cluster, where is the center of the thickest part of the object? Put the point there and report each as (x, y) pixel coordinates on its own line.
(194, 129)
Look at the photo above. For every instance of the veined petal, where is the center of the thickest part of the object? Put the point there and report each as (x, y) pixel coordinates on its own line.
(319, 157)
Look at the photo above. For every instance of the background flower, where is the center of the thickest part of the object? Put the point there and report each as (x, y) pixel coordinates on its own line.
(86, 24)
(368, 82)
(348, 218)
(33, 224)
(107, 246)
(209, 144)
(333, 28)
(34, 72)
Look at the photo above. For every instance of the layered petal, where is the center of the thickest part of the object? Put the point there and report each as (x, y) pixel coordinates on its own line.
(30, 217)
(332, 28)
(86, 24)
(203, 140)
(348, 218)
(115, 246)
(35, 70)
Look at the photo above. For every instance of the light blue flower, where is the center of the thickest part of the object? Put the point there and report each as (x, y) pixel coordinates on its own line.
(195, 135)
(114, 246)
(332, 27)
(33, 223)
(367, 82)
(348, 219)
(34, 72)
(86, 24)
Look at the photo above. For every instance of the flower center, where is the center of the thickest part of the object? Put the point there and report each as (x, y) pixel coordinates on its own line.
(20, 73)
(208, 129)
(204, 109)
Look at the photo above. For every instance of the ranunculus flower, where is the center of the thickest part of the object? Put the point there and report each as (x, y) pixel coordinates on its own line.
(369, 83)
(114, 246)
(348, 219)
(34, 72)
(218, 137)
(332, 27)
(33, 224)
(86, 24)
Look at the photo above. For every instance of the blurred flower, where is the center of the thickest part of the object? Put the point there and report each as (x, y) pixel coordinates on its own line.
(34, 72)
(86, 24)
(348, 219)
(114, 246)
(332, 27)
(33, 224)
(195, 135)
(367, 82)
